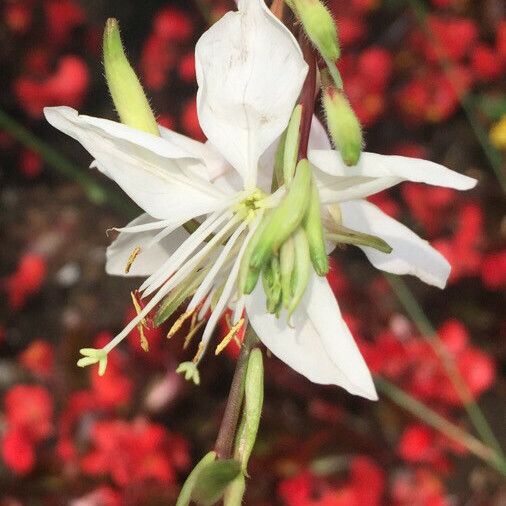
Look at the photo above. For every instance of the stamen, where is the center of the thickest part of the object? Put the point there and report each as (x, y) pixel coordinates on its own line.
(131, 258)
(141, 325)
(192, 333)
(179, 322)
(231, 334)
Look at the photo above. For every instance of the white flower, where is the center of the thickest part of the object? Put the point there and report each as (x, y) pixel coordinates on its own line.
(250, 72)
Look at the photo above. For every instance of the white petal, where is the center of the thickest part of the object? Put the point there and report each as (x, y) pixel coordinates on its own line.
(320, 346)
(148, 259)
(150, 169)
(390, 169)
(410, 255)
(250, 71)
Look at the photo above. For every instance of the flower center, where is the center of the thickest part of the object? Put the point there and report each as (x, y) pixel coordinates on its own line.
(247, 208)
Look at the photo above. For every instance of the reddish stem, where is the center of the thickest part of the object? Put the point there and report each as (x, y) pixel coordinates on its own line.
(307, 97)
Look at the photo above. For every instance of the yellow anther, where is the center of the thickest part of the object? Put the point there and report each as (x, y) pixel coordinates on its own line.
(231, 334)
(193, 331)
(179, 322)
(142, 324)
(131, 259)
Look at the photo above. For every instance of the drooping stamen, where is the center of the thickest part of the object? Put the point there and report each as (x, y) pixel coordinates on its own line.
(179, 322)
(141, 325)
(234, 330)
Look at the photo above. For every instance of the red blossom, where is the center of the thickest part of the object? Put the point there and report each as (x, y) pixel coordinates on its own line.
(493, 270)
(134, 452)
(18, 451)
(485, 63)
(29, 408)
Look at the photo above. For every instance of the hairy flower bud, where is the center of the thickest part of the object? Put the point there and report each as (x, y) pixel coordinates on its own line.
(343, 124)
(126, 91)
(319, 26)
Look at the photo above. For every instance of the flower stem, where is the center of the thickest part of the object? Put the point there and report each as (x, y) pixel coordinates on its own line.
(307, 96)
(425, 327)
(226, 435)
(440, 423)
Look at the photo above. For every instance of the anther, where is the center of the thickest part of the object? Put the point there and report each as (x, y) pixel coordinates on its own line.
(131, 259)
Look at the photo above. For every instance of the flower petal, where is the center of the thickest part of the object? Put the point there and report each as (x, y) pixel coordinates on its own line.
(250, 71)
(410, 254)
(376, 172)
(320, 346)
(153, 171)
(148, 260)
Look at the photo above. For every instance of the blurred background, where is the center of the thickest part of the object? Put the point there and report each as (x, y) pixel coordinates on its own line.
(427, 79)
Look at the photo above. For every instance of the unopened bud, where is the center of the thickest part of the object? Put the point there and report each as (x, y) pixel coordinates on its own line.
(291, 146)
(314, 233)
(285, 218)
(212, 481)
(343, 124)
(301, 271)
(253, 403)
(186, 491)
(319, 26)
(287, 262)
(271, 280)
(127, 94)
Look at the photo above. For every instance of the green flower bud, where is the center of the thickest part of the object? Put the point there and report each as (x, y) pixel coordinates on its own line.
(314, 233)
(235, 492)
(319, 26)
(186, 491)
(126, 91)
(271, 279)
(248, 276)
(212, 481)
(285, 218)
(253, 402)
(302, 270)
(291, 146)
(343, 124)
(287, 262)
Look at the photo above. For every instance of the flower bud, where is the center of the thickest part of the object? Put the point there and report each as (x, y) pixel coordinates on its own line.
(285, 218)
(127, 94)
(319, 26)
(287, 262)
(212, 481)
(271, 280)
(291, 146)
(253, 403)
(301, 271)
(186, 491)
(314, 233)
(343, 124)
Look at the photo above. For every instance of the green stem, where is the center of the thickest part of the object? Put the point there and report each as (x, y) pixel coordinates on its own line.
(426, 329)
(441, 424)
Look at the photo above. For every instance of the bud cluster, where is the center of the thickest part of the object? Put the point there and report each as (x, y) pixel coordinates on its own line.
(343, 125)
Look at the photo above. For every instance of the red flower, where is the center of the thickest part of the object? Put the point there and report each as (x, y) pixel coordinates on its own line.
(172, 25)
(485, 63)
(134, 452)
(29, 408)
(18, 451)
(493, 270)
(190, 121)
